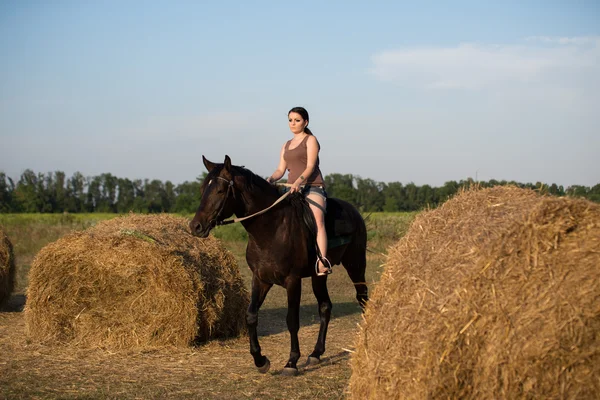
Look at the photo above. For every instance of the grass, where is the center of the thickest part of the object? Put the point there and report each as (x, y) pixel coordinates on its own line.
(30, 232)
(219, 369)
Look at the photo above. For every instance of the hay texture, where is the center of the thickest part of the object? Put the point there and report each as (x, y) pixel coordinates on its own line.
(7, 268)
(134, 281)
(496, 294)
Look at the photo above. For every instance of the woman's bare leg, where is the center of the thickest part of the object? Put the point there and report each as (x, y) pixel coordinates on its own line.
(320, 220)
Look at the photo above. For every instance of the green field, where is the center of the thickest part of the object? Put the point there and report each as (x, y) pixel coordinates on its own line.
(30, 232)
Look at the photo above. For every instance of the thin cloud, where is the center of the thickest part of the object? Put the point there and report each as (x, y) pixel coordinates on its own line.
(576, 40)
(538, 60)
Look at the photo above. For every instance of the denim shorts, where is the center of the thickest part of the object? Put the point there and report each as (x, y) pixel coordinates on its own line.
(319, 190)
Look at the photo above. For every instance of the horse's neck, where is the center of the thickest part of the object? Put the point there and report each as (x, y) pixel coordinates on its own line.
(255, 201)
(263, 225)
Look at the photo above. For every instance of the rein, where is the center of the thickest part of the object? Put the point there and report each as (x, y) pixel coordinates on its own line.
(231, 221)
(283, 196)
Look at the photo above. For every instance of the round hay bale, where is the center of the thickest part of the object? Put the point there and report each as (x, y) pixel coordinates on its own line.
(135, 281)
(399, 346)
(7, 268)
(536, 305)
(512, 314)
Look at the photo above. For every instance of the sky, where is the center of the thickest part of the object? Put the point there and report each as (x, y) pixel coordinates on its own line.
(398, 91)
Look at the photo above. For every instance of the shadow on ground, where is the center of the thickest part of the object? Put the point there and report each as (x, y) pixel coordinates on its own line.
(16, 303)
(272, 321)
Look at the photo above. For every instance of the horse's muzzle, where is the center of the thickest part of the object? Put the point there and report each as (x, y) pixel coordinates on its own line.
(198, 230)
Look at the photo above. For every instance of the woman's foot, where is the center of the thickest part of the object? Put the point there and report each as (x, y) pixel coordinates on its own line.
(323, 268)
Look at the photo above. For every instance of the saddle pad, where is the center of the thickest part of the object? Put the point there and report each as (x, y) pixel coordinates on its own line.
(337, 220)
(337, 241)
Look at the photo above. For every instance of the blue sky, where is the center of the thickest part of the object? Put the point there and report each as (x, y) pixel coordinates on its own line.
(422, 92)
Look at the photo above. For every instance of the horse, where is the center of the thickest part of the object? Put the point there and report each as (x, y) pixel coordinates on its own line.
(282, 248)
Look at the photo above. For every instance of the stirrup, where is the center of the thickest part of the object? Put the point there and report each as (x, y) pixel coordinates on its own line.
(326, 264)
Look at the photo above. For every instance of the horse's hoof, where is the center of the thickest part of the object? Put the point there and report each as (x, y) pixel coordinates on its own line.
(289, 371)
(313, 361)
(265, 368)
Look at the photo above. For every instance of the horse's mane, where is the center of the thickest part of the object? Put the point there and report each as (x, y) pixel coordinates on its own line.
(296, 200)
(253, 181)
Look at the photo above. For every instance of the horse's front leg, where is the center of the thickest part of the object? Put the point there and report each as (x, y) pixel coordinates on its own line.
(259, 292)
(319, 285)
(294, 292)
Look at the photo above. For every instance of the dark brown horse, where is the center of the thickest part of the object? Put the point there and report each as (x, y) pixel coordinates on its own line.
(282, 247)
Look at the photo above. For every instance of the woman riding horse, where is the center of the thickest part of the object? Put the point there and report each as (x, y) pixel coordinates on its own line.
(300, 156)
(282, 247)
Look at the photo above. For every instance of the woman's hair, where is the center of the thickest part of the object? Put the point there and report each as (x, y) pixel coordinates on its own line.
(304, 114)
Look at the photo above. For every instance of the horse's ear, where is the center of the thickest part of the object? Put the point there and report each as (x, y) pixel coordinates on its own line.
(209, 165)
(227, 163)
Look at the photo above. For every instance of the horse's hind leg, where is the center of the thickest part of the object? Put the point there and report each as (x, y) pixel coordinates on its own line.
(319, 285)
(355, 262)
(259, 292)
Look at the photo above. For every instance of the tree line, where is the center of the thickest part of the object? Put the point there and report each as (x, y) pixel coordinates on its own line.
(54, 192)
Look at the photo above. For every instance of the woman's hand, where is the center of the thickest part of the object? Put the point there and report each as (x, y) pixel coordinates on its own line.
(295, 187)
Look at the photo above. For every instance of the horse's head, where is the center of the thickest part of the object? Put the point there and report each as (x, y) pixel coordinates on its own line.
(217, 201)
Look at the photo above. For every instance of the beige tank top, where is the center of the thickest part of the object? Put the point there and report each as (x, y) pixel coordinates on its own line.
(296, 160)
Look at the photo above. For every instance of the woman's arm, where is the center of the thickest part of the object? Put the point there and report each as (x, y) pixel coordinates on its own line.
(278, 174)
(312, 152)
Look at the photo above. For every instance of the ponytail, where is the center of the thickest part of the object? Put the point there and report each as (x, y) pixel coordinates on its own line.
(307, 131)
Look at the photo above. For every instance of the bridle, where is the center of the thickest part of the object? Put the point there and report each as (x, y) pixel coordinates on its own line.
(229, 189)
(218, 222)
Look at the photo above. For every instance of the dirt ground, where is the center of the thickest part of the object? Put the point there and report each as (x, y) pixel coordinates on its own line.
(217, 370)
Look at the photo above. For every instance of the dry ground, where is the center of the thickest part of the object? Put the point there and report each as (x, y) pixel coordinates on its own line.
(217, 370)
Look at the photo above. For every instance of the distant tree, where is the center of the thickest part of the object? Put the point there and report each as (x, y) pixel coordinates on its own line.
(341, 187)
(369, 195)
(577, 191)
(556, 190)
(594, 193)
(53, 192)
(76, 193)
(187, 197)
(394, 197)
(7, 189)
(27, 192)
(156, 196)
(426, 197)
(108, 198)
(449, 189)
(59, 192)
(170, 196)
(139, 201)
(94, 194)
(125, 195)
(411, 201)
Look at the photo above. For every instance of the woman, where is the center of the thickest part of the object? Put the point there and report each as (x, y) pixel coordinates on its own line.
(300, 156)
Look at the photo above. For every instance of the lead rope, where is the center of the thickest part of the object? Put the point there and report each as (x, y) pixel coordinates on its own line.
(231, 221)
(279, 200)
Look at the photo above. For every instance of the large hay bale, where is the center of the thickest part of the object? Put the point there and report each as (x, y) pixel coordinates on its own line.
(494, 295)
(396, 350)
(135, 281)
(536, 304)
(7, 268)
